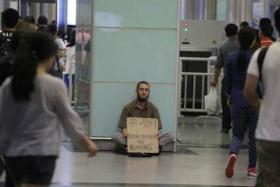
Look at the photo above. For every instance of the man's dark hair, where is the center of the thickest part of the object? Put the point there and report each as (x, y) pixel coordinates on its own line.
(267, 30)
(10, 18)
(246, 37)
(42, 20)
(265, 21)
(52, 28)
(29, 19)
(244, 24)
(231, 29)
(277, 19)
(142, 82)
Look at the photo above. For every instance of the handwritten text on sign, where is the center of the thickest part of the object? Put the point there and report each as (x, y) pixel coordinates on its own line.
(142, 135)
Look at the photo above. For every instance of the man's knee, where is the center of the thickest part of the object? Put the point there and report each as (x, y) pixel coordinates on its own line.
(119, 138)
(166, 139)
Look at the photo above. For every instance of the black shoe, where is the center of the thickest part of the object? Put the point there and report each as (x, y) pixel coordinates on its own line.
(121, 149)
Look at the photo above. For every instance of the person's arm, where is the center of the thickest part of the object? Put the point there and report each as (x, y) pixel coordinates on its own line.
(215, 80)
(122, 121)
(157, 116)
(229, 77)
(70, 120)
(251, 83)
(250, 93)
(61, 53)
(218, 68)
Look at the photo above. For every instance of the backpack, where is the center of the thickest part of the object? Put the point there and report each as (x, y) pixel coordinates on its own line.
(5, 40)
(6, 56)
(260, 61)
(55, 70)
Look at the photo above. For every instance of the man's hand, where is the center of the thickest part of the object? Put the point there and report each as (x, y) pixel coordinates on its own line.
(213, 83)
(124, 132)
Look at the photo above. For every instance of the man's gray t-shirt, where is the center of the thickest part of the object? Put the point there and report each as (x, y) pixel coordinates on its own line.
(33, 127)
(229, 46)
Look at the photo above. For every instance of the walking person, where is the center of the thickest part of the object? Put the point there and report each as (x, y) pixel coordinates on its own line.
(268, 129)
(243, 115)
(229, 46)
(33, 105)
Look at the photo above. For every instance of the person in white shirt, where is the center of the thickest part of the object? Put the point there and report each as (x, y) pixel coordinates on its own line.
(69, 67)
(59, 62)
(268, 128)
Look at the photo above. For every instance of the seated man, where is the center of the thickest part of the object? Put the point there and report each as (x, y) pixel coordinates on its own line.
(142, 108)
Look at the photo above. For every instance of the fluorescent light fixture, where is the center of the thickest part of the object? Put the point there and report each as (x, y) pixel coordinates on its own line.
(71, 12)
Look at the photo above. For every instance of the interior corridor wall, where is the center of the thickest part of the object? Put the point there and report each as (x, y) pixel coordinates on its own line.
(133, 40)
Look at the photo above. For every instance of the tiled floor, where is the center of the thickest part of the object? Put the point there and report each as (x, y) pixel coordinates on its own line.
(199, 162)
(201, 166)
(202, 131)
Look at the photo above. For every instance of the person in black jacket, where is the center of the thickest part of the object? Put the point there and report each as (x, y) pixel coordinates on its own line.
(10, 18)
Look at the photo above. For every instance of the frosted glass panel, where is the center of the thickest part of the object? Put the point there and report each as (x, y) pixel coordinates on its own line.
(136, 13)
(109, 100)
(222, 10)
(83, 61)
(133, 55)
(133, 40)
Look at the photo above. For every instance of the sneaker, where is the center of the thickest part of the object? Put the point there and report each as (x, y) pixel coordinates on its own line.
(230, 165)
(121, 149)
(252, 172)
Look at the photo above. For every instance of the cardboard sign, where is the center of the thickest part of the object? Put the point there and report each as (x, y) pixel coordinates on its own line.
(142, 135)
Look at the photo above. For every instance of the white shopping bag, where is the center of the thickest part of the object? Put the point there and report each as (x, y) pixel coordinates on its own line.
(211, 101)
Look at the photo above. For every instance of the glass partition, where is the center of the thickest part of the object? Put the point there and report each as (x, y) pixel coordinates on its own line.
(83, 60)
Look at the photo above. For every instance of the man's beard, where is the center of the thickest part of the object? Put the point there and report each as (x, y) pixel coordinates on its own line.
(142, 99)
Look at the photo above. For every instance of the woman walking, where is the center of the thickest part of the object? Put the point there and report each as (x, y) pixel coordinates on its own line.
(243, 116)
(33, 106)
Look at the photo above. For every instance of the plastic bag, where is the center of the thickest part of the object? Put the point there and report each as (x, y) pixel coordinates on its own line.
(211, 101)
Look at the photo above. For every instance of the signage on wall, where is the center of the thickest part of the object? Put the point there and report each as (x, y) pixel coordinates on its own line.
(258, 13)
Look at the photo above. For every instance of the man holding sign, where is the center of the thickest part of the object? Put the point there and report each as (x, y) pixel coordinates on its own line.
(139, 108)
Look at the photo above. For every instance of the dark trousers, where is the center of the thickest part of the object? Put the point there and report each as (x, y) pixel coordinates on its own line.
(226, 114)
(244, 118)
(8, 180)
(269, 161)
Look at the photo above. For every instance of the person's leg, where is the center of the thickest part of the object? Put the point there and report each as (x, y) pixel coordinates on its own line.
(165, 139)
(252, 150)
(226, 113)
(2, 165)
(9, 181)
(32, 171)
(73, 87)
(119, 138)
(238, 130)
(66, 80)
(10, 178)
(268, 162)
(121, 143)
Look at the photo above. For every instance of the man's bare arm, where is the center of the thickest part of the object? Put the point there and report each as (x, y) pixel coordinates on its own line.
(250, 92)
